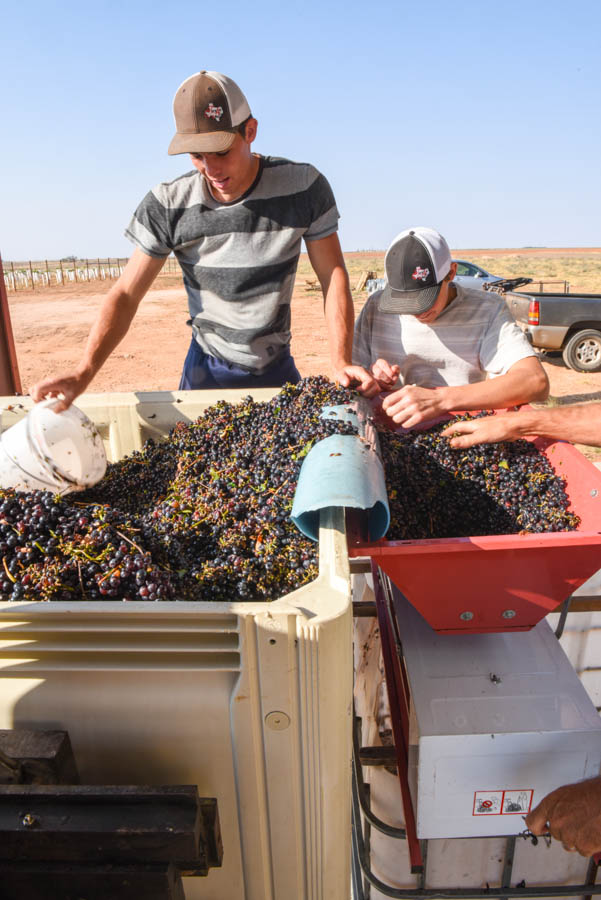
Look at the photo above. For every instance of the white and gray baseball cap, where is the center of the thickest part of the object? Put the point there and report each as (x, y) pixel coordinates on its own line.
(208, 108)
(416, 263)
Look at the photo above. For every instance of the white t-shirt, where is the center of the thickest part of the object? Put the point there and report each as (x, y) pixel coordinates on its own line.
(473, 337)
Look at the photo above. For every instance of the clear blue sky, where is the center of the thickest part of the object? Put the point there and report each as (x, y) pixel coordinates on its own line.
(480, 119)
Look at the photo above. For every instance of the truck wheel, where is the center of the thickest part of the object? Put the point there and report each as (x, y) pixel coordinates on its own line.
(583, 351)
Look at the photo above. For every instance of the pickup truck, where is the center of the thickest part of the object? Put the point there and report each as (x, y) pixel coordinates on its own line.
(569, 323)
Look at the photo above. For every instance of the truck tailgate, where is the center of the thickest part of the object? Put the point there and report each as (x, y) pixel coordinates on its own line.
(518, 305)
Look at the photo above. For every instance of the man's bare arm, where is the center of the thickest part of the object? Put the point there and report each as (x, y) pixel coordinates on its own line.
(526, 380)
(112, 323)
(581, 423)
(327, 260)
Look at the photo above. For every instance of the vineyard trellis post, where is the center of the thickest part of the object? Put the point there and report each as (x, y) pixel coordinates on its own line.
(24, 275)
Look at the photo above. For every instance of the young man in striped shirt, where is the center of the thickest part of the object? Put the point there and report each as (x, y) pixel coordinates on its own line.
(438, 347)
(235, 223)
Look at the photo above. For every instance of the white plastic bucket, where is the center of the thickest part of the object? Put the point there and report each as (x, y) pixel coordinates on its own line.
(49, 451)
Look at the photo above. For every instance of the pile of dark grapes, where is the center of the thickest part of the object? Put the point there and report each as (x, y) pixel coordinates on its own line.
(203, 515)
(437, 492)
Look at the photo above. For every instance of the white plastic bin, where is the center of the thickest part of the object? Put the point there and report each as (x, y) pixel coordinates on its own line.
(250, 701)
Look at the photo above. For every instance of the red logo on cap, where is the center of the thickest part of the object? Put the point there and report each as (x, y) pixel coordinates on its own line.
(214, 112)
(420, 274)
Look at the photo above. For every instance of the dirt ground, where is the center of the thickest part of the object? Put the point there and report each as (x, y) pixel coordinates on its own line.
(50, 328)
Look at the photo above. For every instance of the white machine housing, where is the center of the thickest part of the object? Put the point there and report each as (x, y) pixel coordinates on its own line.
(496, 722)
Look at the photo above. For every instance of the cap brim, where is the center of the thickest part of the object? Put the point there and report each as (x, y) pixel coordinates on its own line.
(411, 303)
(211, 142)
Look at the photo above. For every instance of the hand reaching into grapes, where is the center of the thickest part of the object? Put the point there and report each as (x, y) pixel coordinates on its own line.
(358, 378)
(488, 430)
(413, 404)
(386, 374)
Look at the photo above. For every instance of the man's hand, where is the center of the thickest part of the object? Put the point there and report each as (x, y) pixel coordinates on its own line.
(412, 405)
(488, 430)
(385, 374)
(65, 387)
(572, 815)
(359, 378)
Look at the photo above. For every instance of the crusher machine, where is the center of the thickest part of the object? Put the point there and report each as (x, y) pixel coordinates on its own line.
(484, 714)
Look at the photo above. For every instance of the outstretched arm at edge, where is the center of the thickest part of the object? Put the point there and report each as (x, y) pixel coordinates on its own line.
(581, 423)
(112, 323)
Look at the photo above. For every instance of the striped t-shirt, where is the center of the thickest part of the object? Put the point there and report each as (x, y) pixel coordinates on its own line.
(238, 259)
(473, 337)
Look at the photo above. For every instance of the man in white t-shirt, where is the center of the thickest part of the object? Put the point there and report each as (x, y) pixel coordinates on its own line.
(437, 347)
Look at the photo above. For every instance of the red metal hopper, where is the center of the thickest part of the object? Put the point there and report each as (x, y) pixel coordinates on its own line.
(499, 583)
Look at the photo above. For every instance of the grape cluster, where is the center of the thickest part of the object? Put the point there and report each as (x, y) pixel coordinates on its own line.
(203, 515)
(55, 550)
(437, 492)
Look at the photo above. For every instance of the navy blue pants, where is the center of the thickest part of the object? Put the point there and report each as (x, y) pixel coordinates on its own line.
(204, 371)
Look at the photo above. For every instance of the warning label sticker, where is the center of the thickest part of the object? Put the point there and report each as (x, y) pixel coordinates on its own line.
(516, 802)
(502, 803)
